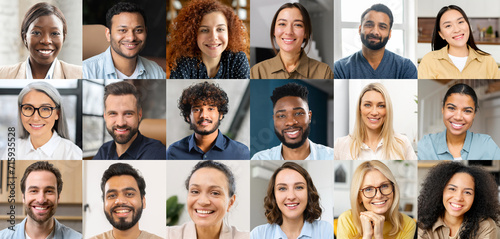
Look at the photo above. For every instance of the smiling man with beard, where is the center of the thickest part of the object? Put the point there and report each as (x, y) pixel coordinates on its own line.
(41, 187)
(374, 61)
(123, 113)
(292, 118)
(126, 32)
(123, 191)
(203, 107)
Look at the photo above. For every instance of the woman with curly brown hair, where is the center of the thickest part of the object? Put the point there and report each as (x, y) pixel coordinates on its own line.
(292, 206)
(458, 201)
(207, 40)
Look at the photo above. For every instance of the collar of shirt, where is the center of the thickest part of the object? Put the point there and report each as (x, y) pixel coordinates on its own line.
(50, 73)
(109, 66)
(312, 147)
(220, 141)
(439, 223)
(365, 147)
(442, 146)
(132, 150)
(442, 54)
(306, 232)
(301, 68)
(48, 148)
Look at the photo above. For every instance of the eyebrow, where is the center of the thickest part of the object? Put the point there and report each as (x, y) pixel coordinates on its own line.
(125, 26)
(36, 187)
(218, 25)
(452, 20)
(123, 190)
(210, 187)
(295, 20)
(369, 185)
(467, 107)
(453, 185)
(284, 184)
(296, 108)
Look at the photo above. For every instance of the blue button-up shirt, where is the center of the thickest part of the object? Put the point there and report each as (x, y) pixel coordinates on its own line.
(476, 146)
(317, 230)
(60, 231)
(224, 148)
(142, 148)
(102, 67)
(318, 152)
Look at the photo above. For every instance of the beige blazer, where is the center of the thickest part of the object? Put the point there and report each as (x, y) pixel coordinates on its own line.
(62, 70)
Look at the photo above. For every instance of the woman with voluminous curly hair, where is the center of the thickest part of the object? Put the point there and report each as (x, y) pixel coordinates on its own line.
(207, 41)
(292, 206)
(458, 201)
(373, 136)
(374, 209)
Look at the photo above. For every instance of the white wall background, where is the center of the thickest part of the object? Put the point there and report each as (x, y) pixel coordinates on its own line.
(153, 218)
(179, 170)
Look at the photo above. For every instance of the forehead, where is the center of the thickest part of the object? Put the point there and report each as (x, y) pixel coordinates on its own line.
(290, 13)
(450, 15)
(374, 177)
(377, 17)
(207, 102)
(460, 99)
(209, 177)
(47, 21)
(464, 180)
(213, 18)
(290, 102)
(372, 96)
(35, 97)
(120, 182)
(130, 19)
(289, 176)
(41, 179)
(117, 102)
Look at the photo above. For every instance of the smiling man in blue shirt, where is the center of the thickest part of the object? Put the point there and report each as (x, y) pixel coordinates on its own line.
(203, 107)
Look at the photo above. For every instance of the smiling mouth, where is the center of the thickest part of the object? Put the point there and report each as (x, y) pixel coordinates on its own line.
(37, 126)
(121, 130)
(457, 126)
(374, 120)
(456, 206)
(458, 37)
(292, 133)
(204, 122)
(213, 46)
(200, 211)
(291, 205)
(46, 52)
(288, 41)
(379, 203)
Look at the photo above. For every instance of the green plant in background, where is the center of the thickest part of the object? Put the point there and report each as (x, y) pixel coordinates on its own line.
(174, 210)
(489, 30)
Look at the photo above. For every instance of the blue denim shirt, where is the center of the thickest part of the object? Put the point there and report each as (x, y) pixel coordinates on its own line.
(317, 229)
(102, 67)
(476, 146)
(318, 152)
(60, 231)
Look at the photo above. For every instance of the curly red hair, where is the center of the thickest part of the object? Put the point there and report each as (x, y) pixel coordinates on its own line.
(184, 31)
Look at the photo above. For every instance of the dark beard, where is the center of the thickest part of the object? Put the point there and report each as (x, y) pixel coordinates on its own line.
(122, 225)
(305, 134)
(46, 218)
(200, 132)
(122, 139)
(373, 46)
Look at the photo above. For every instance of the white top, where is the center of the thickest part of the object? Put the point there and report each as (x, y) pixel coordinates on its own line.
(123, 76)
(188, 231)
(343, 144)
(459, 62)
(55, 148)
(49, 75)
(318, 152)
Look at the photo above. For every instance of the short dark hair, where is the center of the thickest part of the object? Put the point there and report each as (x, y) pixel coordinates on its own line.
(123, 7)
(122, 88)
(219, 166)
(379, 7)
(462, 89)
(290, 89)
(39, 10)
(203, 92)
(42, 166)
(313, 209)
(305, 18)
(118, 169)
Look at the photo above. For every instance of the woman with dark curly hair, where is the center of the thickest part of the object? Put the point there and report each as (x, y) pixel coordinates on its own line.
(458, 201)
(374, 209)
(207, 40)
(292, 206)
(291, 29)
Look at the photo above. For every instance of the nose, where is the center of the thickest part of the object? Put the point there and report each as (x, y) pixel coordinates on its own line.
(36, 114)
(289, 29)
(375, 31)
(203, 200)
(121, 200)
(291, 195)
(46, 40)
(120, 121)
(214, 35)
(374, 110)
(202, 114)
(40, 199)
(458, 115)
(130, 35)
(290, 120)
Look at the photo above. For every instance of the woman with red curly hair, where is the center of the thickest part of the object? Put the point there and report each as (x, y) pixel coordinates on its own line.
(207, 40)
(291, 29)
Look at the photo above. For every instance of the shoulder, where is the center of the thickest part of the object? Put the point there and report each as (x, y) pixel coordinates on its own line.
(346, 216)
(10, 72)
(347, 60)
(71, 71)
(487, 229)
(104, 235)
(345, 225)
(235, 233)
(426, 146)
(322, 152)
(408, 222)
(323, 226)
(181, 146)
(238, 146)
(68, 232)
(263, 231)
(72, 150)
(273, 153)
(264, 69)
(153, 70)
(342, 141)
(342, 147)
(13, 232)
(152, 149)
(147, 235)
(95, 60)
(185, 230)
(102, 153)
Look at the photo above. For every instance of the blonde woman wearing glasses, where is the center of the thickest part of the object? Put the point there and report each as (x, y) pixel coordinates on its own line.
(374, 209)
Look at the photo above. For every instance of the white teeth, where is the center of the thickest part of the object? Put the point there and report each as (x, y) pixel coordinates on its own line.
(40, 208)
(45, 51)
(288, 40)
(378, 203)
(292, 205)
(456, 205)
(372, 120)
(121, 130)
(37, 125)
(457, 125)
(204, 211)
(293, 132)
(122, 211)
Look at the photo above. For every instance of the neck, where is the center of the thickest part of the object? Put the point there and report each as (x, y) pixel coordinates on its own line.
(458, 51)
(38, 71)
(131, 233)
(212, 232)
(205, 142)
(374, 57)
(290, 59)
(122, 148)
(455, 140)
(453, 223)
(39, 230)
(299, 153)
(292, 227)
(123, 64)
(372, 138)
(212, 65)
(38, 142)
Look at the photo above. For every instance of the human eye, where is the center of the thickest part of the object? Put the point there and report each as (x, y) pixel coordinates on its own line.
(451, 189)
(56, 33)
(384, 186)
(369, 24)
(300, 113)
(122, 30)
(28, 107)
(221, 29)
(45, 109)
(383, 27)
(281, 188)
(468, 193)
(367, 105)
(140, 30)
(130, 194)
(299, 25)
(280, 116)
(451, 108)
(368, 189)
(193, 191)
(33, 191)
(216, 193)
(381, 106)
(300, 187)
(36, 33)
(111, 196)
(203, 30)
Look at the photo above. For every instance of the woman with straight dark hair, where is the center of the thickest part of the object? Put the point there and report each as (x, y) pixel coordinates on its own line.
(455, 54)
(43, 32)
(291, 29)
(458, 201)
(460, 106)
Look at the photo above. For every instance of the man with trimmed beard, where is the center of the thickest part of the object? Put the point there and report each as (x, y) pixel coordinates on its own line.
(41, 187)
(374, 61)
(126, 32)
(292, 118)
(123, 113)
(123, 192)
(203, 107)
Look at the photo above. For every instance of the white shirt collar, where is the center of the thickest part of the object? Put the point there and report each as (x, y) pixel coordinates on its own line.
(48, 148)
(50, 73)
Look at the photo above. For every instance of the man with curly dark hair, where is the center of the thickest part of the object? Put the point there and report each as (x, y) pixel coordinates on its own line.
(292, 118)
(203, 107)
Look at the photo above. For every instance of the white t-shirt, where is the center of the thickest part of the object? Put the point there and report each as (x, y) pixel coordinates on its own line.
(459, 62)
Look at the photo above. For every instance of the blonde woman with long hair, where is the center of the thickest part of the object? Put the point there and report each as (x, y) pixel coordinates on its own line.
(374, 209)
(373, 136)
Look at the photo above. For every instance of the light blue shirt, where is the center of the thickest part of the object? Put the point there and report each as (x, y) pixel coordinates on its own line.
(316, 230)
(318, 152)
(102, 67)
(60, 231)
(476, 146)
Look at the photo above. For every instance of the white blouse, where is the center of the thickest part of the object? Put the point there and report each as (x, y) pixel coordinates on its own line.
(55, 148)
(342, 147)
